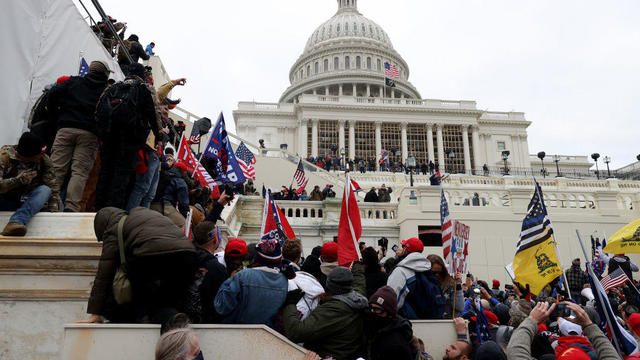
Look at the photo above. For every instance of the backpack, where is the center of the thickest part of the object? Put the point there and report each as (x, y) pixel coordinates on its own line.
(122, 290)
(117, 112)
(425, 296)
(41, 122)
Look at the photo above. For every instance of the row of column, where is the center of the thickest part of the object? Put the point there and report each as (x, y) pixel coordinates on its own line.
(404, 143)
(381, 92)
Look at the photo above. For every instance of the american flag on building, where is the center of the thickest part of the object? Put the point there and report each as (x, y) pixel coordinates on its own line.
(246, 159)
(391, 71)
(447, 229)
(300, 177)
(84, 68)
(616, 278)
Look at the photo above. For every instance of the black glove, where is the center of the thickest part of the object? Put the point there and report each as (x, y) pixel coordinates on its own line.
(293, 297)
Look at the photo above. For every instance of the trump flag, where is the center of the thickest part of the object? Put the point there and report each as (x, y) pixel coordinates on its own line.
(219, 149)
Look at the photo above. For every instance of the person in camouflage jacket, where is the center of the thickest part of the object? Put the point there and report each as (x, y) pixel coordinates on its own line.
(26, 182)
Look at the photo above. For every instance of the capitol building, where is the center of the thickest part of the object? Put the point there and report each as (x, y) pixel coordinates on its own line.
(338, 97)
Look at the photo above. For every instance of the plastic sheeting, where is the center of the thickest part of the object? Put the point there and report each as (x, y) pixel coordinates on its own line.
(41, 41)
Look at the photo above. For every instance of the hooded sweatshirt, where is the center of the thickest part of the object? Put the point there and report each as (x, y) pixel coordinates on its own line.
(405, 270)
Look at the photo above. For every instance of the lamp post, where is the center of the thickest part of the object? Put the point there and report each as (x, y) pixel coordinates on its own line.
(556, 159)
(607, 160)
(595, 157)
(344, 162)
(505, 156)
(451, 155)
(541, 155)
(411, 164)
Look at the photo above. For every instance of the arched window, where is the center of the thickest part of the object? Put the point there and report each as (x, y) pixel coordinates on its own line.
(355, 27)
(358, 62)
(369, 63)
(317, 67)
(301, 74)
(330, 28)
(325, 68)
(336, 63)
(346, 28)
(347, 62)
(338, 28)
(379, 65)
(308, 70)
(364, 28)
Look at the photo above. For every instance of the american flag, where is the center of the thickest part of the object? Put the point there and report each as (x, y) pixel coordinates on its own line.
(194, 138)
(246, 159)
(447, 229)
(391, 71)
(300, 177)
(536, 224)
(84, 68)
(482, 325)
(616, 278)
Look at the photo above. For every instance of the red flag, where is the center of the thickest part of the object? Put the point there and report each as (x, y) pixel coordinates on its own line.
(206, 180)
(185, 155)
(349, 229)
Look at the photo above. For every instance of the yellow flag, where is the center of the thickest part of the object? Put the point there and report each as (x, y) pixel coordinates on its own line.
(537, 264)
(625, 240)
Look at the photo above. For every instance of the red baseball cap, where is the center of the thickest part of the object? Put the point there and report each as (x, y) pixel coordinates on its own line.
(634, 322)
(413, 245)
(329, 251)
(236, 248)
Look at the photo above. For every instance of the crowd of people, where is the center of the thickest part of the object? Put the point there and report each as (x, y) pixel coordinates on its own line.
(333, 163)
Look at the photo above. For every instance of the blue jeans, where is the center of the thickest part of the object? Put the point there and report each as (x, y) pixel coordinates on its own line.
(146, 184)
(32, 205)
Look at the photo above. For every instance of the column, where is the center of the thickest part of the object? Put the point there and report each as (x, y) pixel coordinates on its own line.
(465, 149)
(340, 135)
(378, 143)
(430, 143)
(314, 137)
(525, 150)
(440, 147)
(314, 91)
(405, 147)
(354, 90)
(352, 139)
(393, 93)
(516, 156)
(340, 90)
(477, 164)
(368, 90)
(302, 138)
(326, 90)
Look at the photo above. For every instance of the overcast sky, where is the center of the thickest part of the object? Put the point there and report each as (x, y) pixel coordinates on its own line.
(573, 67)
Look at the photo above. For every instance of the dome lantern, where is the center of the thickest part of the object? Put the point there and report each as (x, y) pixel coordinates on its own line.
(344, 5)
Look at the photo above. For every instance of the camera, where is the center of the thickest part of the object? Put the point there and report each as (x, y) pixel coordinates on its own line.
(228, 189)
(383, 242)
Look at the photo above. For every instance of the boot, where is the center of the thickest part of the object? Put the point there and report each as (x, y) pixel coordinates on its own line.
(14, 229)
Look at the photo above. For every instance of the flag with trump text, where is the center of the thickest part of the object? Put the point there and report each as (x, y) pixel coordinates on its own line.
(349, 228)
(185, 155)
(202, 176)
(219, 149)
(246, 160)
(536, 261)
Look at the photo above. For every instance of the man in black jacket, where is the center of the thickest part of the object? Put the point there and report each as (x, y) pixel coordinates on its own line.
(73, 104)
(371, 196)
(135, 50)
(207, 242)
(388, 335)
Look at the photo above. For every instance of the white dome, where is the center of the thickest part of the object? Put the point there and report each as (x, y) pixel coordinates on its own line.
(348, 24)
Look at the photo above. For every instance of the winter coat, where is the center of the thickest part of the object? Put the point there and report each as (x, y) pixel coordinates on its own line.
(11, 167)
(376, 279)
(335, 328)
(390, 342)
(371, 196)
(489, 350)
(404, 271)
(175, 190)
(73, 103)
(576, 278)
(145, 233)
(252, 296)
(384, 195)
(564, 342)
(519, 347)
(215, 275)
(136, 51)
(449, 294)
(622, 262)
(316, 195)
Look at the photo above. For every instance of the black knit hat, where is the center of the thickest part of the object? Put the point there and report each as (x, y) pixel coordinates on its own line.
(340, 281)
(30, 145)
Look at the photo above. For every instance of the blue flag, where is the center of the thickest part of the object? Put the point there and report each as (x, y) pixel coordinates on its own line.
(219, 149)
(84, 68)
(482, 325)
(625, 344)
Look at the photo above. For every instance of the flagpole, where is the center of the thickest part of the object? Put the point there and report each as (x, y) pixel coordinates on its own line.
(599, 295)
(564, 278)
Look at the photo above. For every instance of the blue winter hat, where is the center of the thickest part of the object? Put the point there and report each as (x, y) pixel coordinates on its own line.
(268, 251)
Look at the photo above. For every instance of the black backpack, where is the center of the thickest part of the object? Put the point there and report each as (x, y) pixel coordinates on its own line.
(117, 112)
(425, 296)
(41, 121)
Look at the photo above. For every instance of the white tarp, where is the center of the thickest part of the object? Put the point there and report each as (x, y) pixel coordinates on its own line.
(41, 40)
